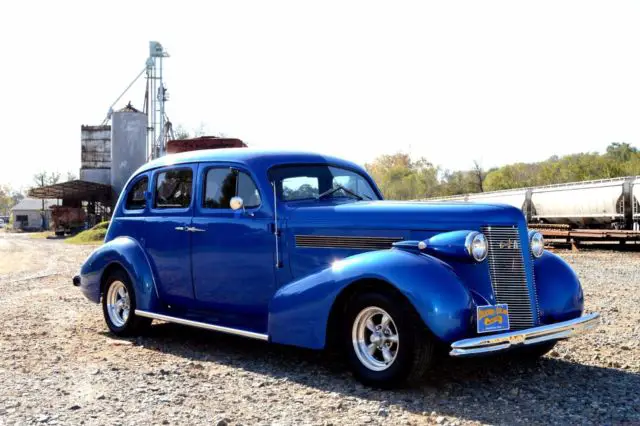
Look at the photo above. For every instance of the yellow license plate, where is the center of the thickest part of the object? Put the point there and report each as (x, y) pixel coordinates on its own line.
(493, 318)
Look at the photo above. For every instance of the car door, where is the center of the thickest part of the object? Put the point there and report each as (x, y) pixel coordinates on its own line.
(166, 237)
(232, 250)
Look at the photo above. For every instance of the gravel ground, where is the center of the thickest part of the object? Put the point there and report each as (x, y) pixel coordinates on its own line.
(58, 364)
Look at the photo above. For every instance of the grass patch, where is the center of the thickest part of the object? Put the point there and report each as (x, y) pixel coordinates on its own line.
(43, 234)
(94, 235)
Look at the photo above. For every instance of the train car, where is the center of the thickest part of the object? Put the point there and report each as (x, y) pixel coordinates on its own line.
(590, 204)
(605, 203)
(513, 197)
(635, 190)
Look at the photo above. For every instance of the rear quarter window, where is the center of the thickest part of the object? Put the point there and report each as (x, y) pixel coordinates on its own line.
(135, 198)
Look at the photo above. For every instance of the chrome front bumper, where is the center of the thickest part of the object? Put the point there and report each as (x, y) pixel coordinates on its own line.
(530, 336)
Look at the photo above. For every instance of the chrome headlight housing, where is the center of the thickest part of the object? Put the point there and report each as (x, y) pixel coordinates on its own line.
(536, 242)
(476, 246)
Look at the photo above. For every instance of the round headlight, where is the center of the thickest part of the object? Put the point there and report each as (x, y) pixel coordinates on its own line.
(476, 245)
(536, 241)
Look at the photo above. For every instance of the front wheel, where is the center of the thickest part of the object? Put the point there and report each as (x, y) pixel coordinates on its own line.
(386, 342)
(119, 305)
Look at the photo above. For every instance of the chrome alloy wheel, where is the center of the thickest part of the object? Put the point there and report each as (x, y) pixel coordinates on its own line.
(118, 303)
(375, 338)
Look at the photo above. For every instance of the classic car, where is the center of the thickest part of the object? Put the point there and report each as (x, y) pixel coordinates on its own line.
(301, 249)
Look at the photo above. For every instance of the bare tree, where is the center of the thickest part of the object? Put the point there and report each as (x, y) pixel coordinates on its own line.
(43, 179)
(180, 133)
(479, 175)
(200, 131)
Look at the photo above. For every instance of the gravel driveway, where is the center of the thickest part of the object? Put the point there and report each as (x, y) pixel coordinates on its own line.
(58, 364)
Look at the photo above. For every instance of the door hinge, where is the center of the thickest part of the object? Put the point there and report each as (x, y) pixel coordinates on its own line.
(273, 230)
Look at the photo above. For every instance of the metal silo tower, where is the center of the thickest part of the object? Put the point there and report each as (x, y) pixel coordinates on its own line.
(156, 95)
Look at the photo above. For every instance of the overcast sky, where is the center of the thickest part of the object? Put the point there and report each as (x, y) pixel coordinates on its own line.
(454, 81)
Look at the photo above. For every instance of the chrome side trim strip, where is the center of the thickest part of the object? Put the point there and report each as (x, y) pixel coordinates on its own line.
(530, 336)
(228, 330)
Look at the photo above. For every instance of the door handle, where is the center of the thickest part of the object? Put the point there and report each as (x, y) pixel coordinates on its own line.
(180, 228)
(193, 229)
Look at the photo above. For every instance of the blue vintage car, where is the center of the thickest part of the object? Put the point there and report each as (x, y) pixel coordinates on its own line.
(301, 249)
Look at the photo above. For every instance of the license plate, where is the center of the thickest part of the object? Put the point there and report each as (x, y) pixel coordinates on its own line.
(493, 318)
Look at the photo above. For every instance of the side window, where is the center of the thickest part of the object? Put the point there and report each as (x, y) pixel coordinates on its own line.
(222, 184)
(135, 198)
(248, 191)
(173, 189)
(219, 188)
(299, 187)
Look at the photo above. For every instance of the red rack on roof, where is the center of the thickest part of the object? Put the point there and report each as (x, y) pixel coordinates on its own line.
(203, 142)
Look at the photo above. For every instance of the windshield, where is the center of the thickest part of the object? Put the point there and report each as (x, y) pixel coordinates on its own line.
(320, 181)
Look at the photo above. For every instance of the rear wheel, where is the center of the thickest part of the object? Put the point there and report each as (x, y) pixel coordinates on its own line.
(385, 341)
(119, 305)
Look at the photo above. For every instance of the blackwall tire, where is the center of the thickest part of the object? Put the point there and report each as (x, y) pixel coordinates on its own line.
(119, 305)
(386, 343)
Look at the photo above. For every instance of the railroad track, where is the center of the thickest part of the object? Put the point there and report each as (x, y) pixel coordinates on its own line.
(560, 234)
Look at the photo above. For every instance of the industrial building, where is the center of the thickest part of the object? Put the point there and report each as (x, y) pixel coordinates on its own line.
(108, 156)
(110, 153)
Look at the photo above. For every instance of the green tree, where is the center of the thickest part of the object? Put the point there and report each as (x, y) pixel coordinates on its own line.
(8, 198)
(401, 178)
(6, 202)
(621, 151)
(620, 159)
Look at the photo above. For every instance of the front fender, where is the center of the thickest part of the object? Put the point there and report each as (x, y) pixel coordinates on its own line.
(559, 291)
(128, 254)
(299, 311)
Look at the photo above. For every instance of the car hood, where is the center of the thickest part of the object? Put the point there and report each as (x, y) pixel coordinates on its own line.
(418, 215)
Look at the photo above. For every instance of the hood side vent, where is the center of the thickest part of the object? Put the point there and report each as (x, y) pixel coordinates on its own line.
(345, 242)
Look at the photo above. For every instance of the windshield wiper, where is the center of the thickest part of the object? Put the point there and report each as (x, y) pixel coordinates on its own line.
(337, 188)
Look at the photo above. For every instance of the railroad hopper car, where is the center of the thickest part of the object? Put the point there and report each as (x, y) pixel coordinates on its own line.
(607, 203)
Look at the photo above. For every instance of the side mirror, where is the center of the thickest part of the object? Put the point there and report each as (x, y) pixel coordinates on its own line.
(236, 203)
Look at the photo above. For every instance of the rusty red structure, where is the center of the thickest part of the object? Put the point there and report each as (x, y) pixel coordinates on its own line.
(203, 142)
(67, 220)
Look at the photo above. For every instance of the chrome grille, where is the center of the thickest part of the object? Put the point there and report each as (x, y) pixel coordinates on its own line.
(508, 275)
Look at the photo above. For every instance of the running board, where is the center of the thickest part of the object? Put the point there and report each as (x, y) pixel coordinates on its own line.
(228, 330)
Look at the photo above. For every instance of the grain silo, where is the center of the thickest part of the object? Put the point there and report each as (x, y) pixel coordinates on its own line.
(128, 145)
(95, 154)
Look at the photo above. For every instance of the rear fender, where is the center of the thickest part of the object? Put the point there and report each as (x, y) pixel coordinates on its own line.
(124, 252)
(299, 311)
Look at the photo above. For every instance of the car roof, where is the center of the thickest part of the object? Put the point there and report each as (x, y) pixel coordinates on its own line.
(251, 157)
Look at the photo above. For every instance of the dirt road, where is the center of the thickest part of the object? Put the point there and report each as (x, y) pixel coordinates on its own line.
(58, 364)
